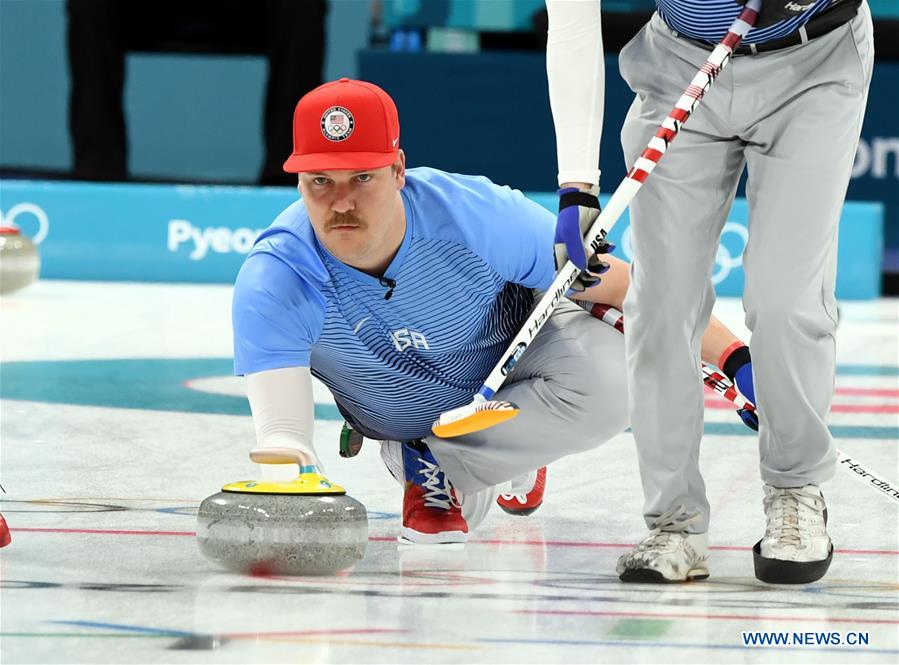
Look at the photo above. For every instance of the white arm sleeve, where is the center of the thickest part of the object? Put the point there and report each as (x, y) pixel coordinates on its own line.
(283, 409)
(576, 72)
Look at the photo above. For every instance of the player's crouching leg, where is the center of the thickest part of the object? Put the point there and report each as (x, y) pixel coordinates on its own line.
(571, 390)
(596, 379)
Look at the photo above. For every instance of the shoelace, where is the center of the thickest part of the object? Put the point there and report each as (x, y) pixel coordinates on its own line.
(520, 498)
(666, 526)
(437, 494)
(786, 502)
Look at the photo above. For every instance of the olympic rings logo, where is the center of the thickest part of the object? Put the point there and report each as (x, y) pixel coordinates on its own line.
(35, 211)
(726, 260)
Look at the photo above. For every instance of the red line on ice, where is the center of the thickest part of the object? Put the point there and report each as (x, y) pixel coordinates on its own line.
(870, 392)
(836, 408)
(110, 532)
(390, 539)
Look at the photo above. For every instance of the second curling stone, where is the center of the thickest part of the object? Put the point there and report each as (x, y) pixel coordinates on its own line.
(20, 262)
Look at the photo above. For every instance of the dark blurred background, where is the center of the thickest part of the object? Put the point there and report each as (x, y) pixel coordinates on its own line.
(194, 91)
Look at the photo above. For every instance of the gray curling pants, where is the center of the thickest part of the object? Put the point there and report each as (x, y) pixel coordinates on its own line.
(571, 387)
(793, 118)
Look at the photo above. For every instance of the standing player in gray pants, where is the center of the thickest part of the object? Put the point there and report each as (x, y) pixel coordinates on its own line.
(789, 108)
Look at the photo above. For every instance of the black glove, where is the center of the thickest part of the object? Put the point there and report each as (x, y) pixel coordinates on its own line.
(774, 11)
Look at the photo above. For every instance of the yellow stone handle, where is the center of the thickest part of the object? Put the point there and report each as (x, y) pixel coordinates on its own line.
(310, 480)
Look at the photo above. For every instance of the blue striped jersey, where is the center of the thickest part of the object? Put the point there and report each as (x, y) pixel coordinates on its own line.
(708, 20)
(463, 276)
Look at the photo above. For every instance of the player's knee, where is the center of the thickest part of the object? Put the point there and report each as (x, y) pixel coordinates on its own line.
(662, 303)
(788, 313)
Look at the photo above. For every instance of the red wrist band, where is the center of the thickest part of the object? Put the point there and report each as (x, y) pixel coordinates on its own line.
(728, 351)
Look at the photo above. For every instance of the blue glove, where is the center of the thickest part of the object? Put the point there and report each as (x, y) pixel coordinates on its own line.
(738, 368)
(578, 210)
(749, 418)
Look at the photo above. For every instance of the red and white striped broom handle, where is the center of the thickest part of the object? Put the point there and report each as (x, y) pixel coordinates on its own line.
(625, 193)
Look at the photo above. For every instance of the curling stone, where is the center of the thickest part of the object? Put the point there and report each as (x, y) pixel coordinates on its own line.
(19, 260)
(308, 526)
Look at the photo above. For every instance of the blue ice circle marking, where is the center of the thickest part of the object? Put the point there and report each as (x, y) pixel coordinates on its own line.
(375, 515)
(110, 383)
(189, 511)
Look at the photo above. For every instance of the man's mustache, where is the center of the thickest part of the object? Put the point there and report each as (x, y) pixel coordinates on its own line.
(343, 219)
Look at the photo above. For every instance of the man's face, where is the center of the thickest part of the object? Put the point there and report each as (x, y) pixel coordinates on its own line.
(357, 215)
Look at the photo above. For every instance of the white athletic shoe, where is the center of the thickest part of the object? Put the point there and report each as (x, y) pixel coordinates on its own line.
(392, 456)
(668, 553)
(796, 548)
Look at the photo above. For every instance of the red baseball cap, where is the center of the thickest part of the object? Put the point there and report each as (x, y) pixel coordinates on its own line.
(344, 125)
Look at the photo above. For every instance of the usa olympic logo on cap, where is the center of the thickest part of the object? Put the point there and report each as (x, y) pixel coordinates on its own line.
(337, 124)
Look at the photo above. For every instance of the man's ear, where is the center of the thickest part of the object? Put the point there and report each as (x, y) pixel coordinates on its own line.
(399, 169)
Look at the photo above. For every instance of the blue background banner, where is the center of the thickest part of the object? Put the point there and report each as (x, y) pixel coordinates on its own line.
(182, 233)
(482, 113)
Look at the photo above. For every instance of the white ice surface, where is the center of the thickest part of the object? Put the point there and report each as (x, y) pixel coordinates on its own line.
(103, 567)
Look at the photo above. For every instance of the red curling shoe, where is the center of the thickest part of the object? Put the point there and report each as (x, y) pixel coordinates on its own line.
(5, 537)
(432, 514)
(525, 503)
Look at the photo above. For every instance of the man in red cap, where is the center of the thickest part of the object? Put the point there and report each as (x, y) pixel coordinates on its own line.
(400, 290)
